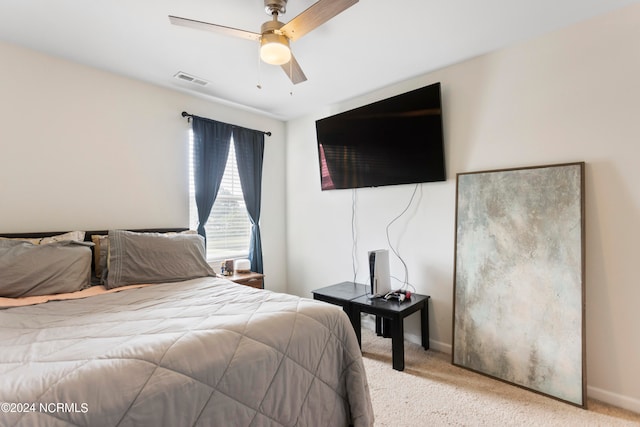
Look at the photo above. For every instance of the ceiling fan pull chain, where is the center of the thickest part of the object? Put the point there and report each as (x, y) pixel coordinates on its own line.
(291, 76)
(259, 85)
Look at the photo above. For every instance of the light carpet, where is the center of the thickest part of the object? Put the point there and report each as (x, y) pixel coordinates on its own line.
(432, 391)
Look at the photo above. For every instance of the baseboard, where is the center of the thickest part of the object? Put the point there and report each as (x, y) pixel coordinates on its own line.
(618, 400)
(368, 322)
(433, 344)
(614, 399)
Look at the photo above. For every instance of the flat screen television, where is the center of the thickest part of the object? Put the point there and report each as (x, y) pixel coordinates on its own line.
(393, 141)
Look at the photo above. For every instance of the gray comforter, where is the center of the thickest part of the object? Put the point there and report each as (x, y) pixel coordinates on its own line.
(204, 352)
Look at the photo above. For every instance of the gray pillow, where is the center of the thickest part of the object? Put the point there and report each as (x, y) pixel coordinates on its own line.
(59, 267)
(154, 258)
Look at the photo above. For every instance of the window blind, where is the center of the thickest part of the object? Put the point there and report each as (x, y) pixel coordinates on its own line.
(228, 228)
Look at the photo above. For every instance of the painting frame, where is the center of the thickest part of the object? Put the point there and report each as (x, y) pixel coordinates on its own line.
(519, 278)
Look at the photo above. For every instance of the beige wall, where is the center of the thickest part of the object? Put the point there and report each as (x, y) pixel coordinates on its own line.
(84, 149)
(569, 96)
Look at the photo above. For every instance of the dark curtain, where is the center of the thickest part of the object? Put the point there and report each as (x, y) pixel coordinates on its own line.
(249, 146)
(211, 142)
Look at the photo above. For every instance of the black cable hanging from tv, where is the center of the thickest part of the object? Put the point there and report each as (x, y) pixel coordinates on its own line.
(189, 116)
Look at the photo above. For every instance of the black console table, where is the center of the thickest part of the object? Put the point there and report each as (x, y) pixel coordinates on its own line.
(395, 312)
(354, 300)
(341, 294)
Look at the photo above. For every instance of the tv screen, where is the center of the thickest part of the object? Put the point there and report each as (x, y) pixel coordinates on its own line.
(394, 141)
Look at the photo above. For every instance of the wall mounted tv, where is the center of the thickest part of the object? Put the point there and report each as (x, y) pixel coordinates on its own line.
(394, 141)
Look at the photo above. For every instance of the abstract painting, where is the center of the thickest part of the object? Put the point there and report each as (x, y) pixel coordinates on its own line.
(519, 278)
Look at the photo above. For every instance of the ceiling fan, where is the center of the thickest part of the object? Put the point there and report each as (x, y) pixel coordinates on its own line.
(274, 36)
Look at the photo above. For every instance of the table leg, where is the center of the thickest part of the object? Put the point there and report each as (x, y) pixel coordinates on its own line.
(386, 328)
(349, 310)
(355, 322)
(397, 343)
(424, 320)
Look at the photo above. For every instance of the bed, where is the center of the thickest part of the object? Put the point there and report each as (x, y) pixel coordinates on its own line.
(149, 348)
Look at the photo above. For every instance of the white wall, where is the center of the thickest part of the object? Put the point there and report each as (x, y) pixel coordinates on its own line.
(80, 148)
(84, 149)
(569, 96)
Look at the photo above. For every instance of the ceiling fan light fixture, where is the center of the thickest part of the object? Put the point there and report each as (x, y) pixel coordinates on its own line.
(274, 49)
(274, 36)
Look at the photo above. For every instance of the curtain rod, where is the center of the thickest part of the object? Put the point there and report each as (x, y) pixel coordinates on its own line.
(185, 114)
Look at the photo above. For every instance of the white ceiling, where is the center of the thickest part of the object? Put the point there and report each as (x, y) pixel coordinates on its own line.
(370, 45)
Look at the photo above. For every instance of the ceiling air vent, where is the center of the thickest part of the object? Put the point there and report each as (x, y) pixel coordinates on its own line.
(190, 79)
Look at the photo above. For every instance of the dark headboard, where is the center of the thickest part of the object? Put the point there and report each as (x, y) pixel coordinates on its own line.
(88, 234)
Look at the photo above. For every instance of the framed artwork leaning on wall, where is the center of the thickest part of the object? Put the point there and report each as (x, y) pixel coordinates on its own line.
(519, 289)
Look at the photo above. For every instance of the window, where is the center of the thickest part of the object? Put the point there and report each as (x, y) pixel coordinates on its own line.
(228, 228)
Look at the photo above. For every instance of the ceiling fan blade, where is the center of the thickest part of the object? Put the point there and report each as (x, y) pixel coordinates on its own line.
(316, 15)
(293, 70)
(214, 28)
